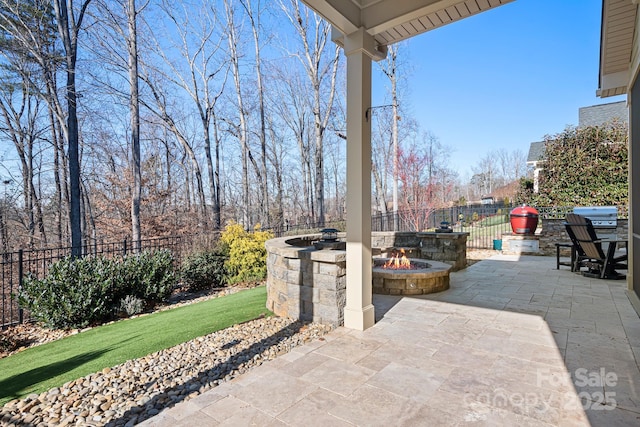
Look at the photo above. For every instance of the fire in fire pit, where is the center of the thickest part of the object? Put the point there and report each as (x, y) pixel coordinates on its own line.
(399, 262)
(421, 277)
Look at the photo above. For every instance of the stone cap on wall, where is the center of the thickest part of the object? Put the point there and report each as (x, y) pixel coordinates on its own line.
(281, 247)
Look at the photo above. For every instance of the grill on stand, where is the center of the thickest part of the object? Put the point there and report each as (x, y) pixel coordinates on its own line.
(603, 218)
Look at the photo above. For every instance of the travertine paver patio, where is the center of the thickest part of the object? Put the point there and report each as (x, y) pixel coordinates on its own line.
(513, 342)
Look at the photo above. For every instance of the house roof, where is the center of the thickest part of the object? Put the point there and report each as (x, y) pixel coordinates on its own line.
(390, 21)
(536, 151)
(597, 115)
(616, 46)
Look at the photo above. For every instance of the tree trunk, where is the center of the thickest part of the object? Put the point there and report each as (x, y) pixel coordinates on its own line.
(161, 112)
(217, 206)
(242, 131)
(134, 111)
(276, 162)
(68, 29)
(4, 234)
(57, 172)
(314, 43)
(264, 199)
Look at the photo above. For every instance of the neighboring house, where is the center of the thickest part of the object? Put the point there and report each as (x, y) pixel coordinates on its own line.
(594, 115)
(536, 152)
(597, 115)
(499, 195)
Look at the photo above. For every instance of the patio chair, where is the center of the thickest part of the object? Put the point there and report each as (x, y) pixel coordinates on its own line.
(590, 252)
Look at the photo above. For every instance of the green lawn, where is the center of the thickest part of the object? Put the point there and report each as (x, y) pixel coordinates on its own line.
(50, 365)
(489, 227)
(493, 231)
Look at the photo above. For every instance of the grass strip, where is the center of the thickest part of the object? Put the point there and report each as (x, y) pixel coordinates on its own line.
(50, 365)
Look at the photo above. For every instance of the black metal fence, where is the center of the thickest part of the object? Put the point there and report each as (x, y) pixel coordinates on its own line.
(14, 266)
(484, 223)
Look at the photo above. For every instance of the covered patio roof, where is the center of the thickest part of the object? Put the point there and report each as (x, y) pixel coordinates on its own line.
(616, 46)
(390, 21)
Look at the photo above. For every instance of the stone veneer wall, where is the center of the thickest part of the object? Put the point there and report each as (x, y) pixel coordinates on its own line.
(553, 231)
(445, 247)
(308, 284)
(305, 283)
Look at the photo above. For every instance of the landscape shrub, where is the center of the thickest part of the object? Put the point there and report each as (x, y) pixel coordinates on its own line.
(582, 166)
(74, 294)
(150, 275)
(80, 292)
(131, 305)
(204, 270)
(247, 253)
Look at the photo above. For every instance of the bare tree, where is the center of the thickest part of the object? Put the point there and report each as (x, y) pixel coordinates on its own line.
(416, 188)
(29, 33)
(134, 111)
(120, 31)
(204, 70)
(382, 154)
(294, 110)
(241, 131)
(276, 158)
(314, 34)
(21, 127)
(155, 105)
(69, 23)
(254, 19)
(513, 164)
(389, 68)
(486, 173)
(158, 106)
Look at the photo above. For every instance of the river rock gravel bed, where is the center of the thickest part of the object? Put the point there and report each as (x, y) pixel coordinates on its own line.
(136, 390)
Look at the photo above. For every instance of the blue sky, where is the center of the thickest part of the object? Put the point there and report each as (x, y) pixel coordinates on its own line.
(504, 78)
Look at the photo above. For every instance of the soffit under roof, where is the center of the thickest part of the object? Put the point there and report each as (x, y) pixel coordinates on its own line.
(390, 21)
(616, 45)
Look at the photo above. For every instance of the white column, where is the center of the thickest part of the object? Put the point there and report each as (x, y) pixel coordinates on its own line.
(359, 48)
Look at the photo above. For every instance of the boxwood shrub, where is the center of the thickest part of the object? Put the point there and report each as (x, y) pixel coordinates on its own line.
(150, 275)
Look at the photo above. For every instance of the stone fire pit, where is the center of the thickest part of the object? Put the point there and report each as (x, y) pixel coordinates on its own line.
(307, 280)
(426, 278)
